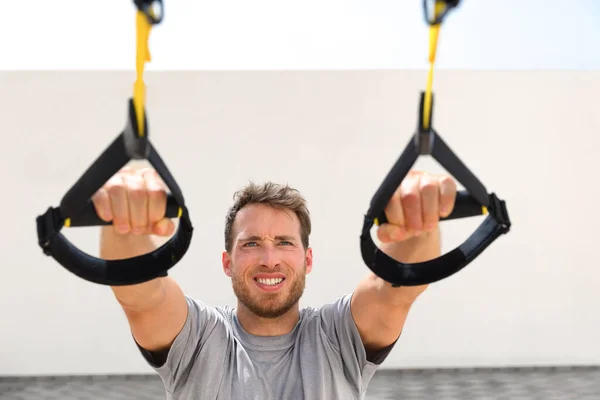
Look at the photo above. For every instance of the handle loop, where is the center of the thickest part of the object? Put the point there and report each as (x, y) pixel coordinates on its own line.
(77, 210)
(473, 201)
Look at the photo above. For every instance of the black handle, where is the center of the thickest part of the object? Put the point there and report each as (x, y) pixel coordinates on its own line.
(465, 206)
(89, 217)
(76, 209)
(473, 201)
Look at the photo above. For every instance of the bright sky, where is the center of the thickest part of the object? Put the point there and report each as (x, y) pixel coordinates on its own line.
(307, 34)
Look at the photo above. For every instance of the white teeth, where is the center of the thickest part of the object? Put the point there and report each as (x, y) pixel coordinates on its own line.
(270, 282)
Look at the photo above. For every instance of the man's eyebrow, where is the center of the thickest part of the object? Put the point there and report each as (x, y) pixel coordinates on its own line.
(278, 237)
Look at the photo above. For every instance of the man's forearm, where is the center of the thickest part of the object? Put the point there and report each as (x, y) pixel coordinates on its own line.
(113, 247)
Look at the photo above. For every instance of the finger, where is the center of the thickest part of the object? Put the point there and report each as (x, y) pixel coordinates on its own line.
(447, 195)
(101, 201)
(430, 195)
(411, 203)
(393, 210)
(115, 187)
(127, 170)
(157, 198)
(138, 203)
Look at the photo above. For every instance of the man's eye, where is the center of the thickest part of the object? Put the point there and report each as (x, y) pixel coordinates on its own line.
(249, 244)
(286, 242)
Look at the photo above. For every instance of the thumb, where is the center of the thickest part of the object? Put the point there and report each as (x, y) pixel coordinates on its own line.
(388, 233)
(164, 227)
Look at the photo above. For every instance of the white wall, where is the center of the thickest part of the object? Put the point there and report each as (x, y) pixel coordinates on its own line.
(531, 298)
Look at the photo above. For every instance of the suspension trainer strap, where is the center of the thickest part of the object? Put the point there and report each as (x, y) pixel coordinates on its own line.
(77, 210)
(474, 201)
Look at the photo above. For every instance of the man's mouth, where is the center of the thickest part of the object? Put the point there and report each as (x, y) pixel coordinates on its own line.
(269, 281)
(269, 284)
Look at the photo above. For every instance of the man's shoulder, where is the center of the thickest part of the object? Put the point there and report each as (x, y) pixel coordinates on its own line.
(339, 301)
(338, 307)
(208, 312)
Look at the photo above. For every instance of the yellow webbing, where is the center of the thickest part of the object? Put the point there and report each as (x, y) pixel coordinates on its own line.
(143, 28)
(434, 31)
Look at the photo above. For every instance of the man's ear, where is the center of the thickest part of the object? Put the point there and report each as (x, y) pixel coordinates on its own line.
(309, 260)
(226, 261)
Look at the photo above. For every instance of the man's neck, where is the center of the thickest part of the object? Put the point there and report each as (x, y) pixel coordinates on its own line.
(258, 326)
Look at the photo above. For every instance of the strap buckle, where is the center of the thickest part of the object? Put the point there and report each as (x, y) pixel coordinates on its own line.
(498, 211)
(152, 9)
(48, 226)
(437, 18)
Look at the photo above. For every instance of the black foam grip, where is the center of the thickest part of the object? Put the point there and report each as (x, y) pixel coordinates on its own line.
(465, 206)
(89, 217)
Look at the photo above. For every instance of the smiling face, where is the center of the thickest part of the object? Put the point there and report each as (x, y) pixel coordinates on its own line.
(267, 263)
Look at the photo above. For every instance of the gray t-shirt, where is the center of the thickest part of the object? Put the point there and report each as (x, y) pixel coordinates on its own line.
(214, 358)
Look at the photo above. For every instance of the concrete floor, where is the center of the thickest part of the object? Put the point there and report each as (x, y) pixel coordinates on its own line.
(501, 384)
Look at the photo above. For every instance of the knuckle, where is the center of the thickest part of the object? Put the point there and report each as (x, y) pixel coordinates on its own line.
(135, 189)
(410, 198)
(156, 195)
(115, 188)
(147, 171)
(429, 186)
(447, 182)
(99, 197)
(137, 194)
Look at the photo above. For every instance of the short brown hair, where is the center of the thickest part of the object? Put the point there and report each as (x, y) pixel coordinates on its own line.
(272, 194)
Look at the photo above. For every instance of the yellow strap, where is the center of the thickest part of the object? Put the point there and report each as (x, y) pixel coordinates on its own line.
(434, 31)
(142, 56)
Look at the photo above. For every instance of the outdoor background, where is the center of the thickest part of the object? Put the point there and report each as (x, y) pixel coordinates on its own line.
(322, 95)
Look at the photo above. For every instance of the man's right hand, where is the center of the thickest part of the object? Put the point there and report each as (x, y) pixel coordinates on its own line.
(135, 202)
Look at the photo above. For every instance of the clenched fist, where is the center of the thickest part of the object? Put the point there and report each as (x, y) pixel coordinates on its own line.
(135, 202)
(417, 206)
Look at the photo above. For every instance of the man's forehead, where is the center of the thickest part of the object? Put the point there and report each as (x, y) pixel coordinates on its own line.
(262, 211)
(261, 222)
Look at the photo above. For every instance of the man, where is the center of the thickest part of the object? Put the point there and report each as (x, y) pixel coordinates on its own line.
(267, 348)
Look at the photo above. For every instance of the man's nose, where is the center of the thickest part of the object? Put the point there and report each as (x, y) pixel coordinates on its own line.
(269, 257)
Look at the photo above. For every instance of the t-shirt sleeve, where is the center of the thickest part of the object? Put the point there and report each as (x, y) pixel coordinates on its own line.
(174, 366)
(340, 327)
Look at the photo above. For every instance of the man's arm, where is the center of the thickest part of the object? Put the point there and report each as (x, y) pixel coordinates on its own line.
(380, 310)
(411, 235)
(134, 201)
(156, 310)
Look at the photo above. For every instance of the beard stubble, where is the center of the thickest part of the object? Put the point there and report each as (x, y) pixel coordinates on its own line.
(270, 305)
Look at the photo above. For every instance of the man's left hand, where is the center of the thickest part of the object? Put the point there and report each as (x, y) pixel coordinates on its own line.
(417, 205)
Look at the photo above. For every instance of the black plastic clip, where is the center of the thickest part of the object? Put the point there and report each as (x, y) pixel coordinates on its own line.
(152, 9)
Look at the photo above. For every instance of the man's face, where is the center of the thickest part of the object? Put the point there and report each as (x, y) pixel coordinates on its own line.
(268, 263)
